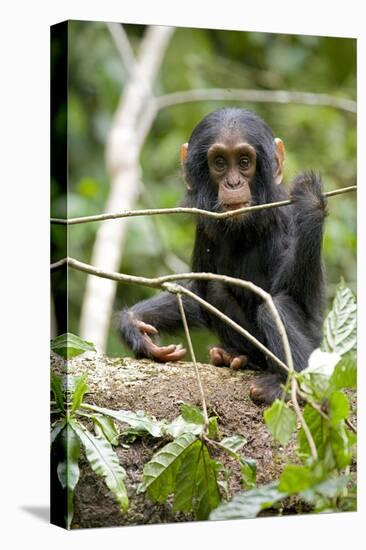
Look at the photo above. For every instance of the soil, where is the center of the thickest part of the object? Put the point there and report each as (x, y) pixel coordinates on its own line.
(159, 389)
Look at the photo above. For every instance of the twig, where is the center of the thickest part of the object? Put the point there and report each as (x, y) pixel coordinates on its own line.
(58, 264)
(256, 96)
(123, 45)
(305, 427)
(186, 210)
(351, 426)
(193, 357)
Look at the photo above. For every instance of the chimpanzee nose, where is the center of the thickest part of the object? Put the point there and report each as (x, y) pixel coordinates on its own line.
(233, 184)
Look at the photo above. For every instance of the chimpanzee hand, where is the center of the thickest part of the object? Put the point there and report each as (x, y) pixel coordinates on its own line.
(221, 358)
(307, 192)
(162, 354)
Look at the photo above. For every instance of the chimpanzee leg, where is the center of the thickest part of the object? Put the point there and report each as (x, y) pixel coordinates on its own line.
(160, 313)
(267, 388)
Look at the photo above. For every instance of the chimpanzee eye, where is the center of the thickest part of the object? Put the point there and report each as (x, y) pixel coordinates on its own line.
(244, 162)
(219, 163)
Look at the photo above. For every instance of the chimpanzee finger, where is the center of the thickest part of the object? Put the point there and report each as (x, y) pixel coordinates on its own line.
(239, 362)
(177, 355)
(145, 327)
(219, 357)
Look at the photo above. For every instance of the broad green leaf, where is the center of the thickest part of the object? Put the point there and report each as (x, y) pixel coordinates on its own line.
(196, 483)
(179, 426)
(340, 332)
(68, 469)
(69, 345)
(338, 407)
(80, 388)
(57, 390)
(234, 442)
(161, 471)
(57, 429)
(318, 429)
(104, 462)
(295, 479)
(105, 427)
(330, 488)
(191, 413)
(341, 448)
(280, 420)
(138, 420)
(333, 444)
(345, 374)
(248, 468)
(249, 504)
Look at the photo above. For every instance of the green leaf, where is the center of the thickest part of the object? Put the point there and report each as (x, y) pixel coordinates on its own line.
(105, 427)
(191, 413)
(213, 431)
(196, 483)
(68, 471)
(138, 420)
(341, 448)
(345, 374)
(338, 407)
(57, 390)
(249, 504)
(330, 488)
(104, 462)
(57, 429)
(160, 472)
(340, 332)
(80, 388)
(281, 421)
(295, 479)
(69, 345)
(318, 429)
(248, 468)
(234, 442)
(179, 426)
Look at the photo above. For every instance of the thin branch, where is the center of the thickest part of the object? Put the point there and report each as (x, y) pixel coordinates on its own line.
(305, 427)
(186, 210)
(351, 426)
(256, 96)
(193, 357)
(123, 45)
(58, 264)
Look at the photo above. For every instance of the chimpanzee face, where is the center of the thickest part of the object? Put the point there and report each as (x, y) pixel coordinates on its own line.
(232, 164)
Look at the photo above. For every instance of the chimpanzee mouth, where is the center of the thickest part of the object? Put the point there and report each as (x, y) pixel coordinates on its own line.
(236, 205)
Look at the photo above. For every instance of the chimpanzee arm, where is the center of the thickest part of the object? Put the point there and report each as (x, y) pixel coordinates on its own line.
(301, 273)
(148, 317)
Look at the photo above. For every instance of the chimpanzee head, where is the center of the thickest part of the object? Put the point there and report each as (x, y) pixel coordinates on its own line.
(232, 160)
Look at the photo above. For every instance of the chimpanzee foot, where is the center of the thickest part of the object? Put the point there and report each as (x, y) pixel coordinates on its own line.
(221, 358)
(266, 388)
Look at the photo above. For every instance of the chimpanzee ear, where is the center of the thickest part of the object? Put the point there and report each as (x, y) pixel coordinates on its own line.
(183, 156)
(280, 156)
(183, 152)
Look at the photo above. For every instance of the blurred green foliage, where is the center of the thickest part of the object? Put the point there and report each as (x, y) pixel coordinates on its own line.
(319, 138)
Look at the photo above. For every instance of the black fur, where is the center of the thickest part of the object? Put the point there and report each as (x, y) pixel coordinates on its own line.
(277, 249)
